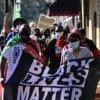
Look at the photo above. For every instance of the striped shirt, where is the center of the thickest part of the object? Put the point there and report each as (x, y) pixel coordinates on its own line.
(67, 54)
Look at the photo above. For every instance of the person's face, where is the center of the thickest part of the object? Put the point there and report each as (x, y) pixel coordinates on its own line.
(74, 45)
(18, 25)
(83, 37)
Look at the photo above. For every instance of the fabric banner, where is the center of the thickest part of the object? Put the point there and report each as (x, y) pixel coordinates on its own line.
(77, 80)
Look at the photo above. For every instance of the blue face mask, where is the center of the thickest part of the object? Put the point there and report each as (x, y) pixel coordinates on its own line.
(74, 45)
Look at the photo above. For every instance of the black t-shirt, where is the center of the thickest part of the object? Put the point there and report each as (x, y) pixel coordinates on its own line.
(90, 44)
(54, 60)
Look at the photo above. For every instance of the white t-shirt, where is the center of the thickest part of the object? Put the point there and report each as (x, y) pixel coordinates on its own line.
(12, 55)
(67, 54)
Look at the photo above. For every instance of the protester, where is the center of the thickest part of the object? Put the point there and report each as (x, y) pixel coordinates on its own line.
(74, 50)
(73, 53)
(10, 32)
(35, 33)
(51, 58)
(16, 26)
(13, 38)
(58, 30)
(61, 40)
(13, 53)
(52, 34)
(41, 41)
(54, 49)
(11, 56)
(46, 35)
(88, 43)
(33, 27)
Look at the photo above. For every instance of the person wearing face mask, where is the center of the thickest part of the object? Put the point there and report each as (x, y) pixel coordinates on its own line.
(74, 50)
(59, 30)
(16, 26)
(12, 55)
(12, 37)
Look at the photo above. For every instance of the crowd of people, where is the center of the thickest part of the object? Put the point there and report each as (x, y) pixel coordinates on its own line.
(52, 47)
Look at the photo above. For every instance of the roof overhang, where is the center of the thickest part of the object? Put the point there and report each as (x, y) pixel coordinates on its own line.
(65, 8)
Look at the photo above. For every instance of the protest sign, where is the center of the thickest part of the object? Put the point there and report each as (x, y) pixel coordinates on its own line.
(45, 21)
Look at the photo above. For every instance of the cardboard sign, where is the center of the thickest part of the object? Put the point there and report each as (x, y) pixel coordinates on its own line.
(45, 21)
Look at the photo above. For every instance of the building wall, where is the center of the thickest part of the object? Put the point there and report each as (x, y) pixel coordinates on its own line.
(97, 7)
(92, 21)
(89, 9)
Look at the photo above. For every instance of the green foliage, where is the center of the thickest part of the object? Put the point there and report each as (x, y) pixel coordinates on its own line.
(30, 9)
(1, 13)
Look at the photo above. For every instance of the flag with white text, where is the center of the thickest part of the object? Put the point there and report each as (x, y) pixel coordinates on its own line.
(33, 81)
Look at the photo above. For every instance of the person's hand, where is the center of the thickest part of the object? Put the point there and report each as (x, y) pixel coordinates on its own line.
(6, 26)
(7, 17)
(2, 82)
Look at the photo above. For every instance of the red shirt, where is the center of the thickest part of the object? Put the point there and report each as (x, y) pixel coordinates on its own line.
(61, 41)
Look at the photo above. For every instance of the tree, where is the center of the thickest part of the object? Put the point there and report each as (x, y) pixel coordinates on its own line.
(30, 9)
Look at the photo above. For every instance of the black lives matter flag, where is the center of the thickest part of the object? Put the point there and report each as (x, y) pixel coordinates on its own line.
(33, 81)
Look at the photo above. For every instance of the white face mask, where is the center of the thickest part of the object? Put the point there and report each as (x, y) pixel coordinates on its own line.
(57, 34)
(18, 28)
(32, 30)
(74, 45)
